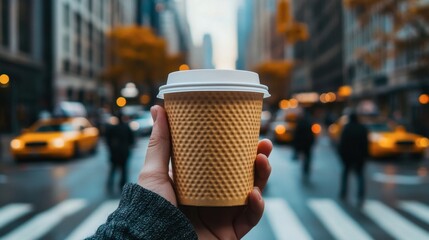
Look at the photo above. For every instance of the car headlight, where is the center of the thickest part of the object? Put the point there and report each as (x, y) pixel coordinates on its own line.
(134, 125)
(58, 142)
(375, 137)
(16, 144)
(422, 142)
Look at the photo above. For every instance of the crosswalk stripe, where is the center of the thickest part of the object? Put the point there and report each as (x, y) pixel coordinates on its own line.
(417, 209)
(392, 222)
(283, 220)
(45, 221)
(12, 212)
(340, 225)
(98, 217)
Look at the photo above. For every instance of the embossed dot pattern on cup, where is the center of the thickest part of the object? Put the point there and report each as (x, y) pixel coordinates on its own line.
(214, 137)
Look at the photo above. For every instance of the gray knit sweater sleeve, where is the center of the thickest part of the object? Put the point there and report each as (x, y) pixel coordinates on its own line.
(143, 214)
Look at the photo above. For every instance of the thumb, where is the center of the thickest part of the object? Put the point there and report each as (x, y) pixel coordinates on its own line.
(158, 152)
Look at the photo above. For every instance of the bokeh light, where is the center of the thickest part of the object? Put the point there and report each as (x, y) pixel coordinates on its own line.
(184, 67)
(4, 79)
(144, 99)
(121, 101)
(424, 99)
(284, 104)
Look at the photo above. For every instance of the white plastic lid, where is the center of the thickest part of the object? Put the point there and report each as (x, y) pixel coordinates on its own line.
(203, 80)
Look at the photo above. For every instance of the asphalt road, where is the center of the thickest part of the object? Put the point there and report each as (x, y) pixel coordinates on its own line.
(68, 199)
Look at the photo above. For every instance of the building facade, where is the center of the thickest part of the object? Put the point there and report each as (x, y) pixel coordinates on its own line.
(53, 51)
(26, 58)
(302, 51)
(391, 84)
(319, 61)
(80, 40)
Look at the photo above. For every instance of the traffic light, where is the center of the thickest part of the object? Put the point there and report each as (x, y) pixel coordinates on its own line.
(284, 16)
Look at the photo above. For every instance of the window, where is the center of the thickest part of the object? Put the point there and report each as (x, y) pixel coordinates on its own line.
(78, 49)
(101, 9)
(90, 3)
(66, 43)
(78, 30)
(66, 66)
(78, 24)
(101, 51)
(4, 22)
(25, 25)
(90, 42)
(66, 15)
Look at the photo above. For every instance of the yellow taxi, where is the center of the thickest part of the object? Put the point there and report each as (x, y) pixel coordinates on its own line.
(386, 140)
(57, 137)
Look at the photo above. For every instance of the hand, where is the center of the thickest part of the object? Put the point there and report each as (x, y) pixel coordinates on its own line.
(209, 222)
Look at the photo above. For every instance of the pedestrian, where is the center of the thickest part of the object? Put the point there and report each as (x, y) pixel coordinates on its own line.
(149, 209)
(353, 150)
(303, 139)
(120, 139)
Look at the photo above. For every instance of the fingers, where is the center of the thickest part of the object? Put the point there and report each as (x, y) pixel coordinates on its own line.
(251, 216)
(265, 146)
(262, 165)
(158, 152)
(262, 171)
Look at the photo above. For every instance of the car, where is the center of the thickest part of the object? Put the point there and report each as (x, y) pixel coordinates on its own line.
(282, 128)
(265, 121)
(141, 123)
(386, 139)
(56, 138)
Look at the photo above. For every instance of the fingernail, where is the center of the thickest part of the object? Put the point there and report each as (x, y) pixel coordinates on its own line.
(154, 113)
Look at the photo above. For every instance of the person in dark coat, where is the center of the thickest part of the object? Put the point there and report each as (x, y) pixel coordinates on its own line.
(120, 139)
(303, 139)
(353, 150)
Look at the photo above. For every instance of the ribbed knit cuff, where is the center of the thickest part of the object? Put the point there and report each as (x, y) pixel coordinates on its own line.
(143, 214)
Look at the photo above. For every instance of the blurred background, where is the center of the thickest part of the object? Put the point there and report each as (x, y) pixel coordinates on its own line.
(67, 67)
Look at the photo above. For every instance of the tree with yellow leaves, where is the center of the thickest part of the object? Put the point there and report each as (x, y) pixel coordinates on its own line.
(136, 54)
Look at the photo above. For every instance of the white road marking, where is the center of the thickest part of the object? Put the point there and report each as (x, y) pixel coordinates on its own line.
(283, 220)
(98, 217)
(339, 224)
(398, 179)
(393, 223)
(12, 212)
(42, 223)
(417, 209)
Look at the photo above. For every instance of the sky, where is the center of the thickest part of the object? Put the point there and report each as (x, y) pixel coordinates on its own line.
(218, 18)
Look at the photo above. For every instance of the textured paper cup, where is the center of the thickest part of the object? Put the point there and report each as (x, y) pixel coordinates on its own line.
(214, 138)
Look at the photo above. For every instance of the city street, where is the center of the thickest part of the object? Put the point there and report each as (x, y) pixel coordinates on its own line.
(68, 200)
